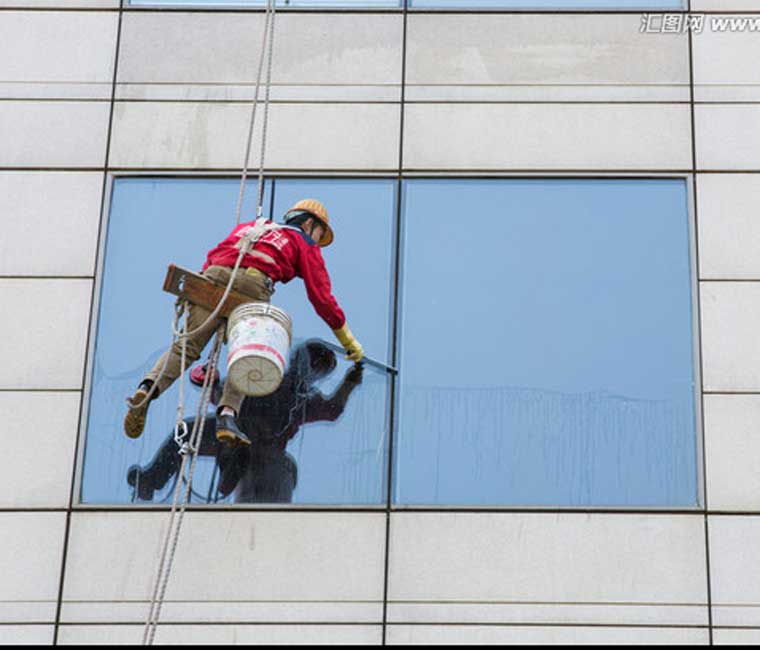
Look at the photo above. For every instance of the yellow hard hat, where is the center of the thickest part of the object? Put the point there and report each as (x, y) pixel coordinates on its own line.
(318, 210)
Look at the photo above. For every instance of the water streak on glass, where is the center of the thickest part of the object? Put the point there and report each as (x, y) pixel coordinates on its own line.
(547, 352)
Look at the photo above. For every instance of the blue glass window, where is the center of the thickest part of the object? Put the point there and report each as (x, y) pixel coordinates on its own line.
(548, 5)
(547, 351)
(545, 346)
(336, 452)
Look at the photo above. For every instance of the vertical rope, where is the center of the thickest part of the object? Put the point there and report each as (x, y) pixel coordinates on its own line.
(267, 89)
(269, 19)
(182, 366)
(148, 632)
(172, 538)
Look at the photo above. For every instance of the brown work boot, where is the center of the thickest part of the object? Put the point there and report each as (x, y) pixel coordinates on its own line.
(134, 422)
(227, 432)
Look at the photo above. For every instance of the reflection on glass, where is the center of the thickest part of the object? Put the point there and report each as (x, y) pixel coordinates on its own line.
(546, 351)
(264, 472)
(341, 459)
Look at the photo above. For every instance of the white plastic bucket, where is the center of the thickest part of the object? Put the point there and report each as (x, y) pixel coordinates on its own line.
(258, 336)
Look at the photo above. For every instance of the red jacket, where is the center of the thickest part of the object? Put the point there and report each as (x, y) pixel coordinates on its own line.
(283, 254)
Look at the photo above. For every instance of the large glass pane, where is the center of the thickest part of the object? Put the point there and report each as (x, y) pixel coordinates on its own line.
(547, 355)
(321, 439)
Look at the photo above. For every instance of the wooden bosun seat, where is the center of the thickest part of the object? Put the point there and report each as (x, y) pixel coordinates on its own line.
(201, 291)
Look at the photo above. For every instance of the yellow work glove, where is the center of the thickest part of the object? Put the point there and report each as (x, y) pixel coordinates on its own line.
(353, 348)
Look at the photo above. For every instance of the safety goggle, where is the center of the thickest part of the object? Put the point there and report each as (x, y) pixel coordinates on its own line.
(298, 213)
(290, 216)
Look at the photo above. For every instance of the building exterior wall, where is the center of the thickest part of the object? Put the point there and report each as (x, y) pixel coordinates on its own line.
(89, 89)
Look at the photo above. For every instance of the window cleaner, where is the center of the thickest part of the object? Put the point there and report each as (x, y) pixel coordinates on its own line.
(278, 253)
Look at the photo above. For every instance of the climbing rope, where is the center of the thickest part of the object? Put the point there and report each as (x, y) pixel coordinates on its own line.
(268, 38)
(152, 621)
(190, 446)
(189, 450)
(180, 426)
(267, 89)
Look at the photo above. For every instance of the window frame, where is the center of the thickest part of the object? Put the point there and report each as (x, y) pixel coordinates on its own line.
(403, 6)
(395, 319)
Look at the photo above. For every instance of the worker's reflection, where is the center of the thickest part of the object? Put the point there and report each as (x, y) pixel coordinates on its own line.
(263, 472)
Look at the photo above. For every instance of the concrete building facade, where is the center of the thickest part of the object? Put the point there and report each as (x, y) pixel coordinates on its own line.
(96, 90)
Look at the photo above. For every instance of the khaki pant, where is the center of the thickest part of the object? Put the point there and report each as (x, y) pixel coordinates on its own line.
(249, 282)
